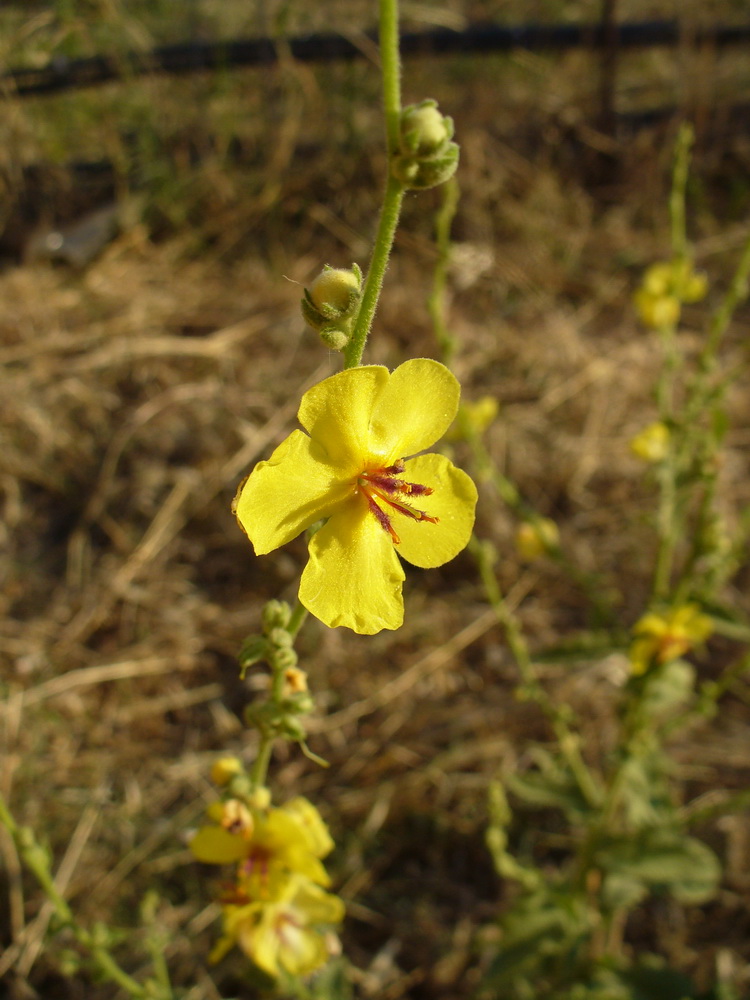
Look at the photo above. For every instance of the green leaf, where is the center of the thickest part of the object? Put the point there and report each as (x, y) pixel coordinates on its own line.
(667, 860)
(669, 687)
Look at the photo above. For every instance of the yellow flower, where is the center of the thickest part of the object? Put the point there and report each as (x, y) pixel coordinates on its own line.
(657, 311)
(268, 845)
(664, 288)
(661, 638)
(281, 932)
(652, 443)
(352, 467)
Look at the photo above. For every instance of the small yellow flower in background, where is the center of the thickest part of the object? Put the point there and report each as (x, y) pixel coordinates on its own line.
(276, 904)
(657, 311)
(536, 538)
(664, 289)
(267, 845)
(652, 443)
(661, 638)
(280, 933)
(353, 468)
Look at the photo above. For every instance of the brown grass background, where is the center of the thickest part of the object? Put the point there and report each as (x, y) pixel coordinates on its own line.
(137, 391)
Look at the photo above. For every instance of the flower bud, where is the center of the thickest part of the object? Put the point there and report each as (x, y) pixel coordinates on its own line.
(331, 303)
(695, 287)
(657, 311)
(335, 291)
(426, 155)
(284, 658)
(259, 798)
(280, 638)
(423, 129)
(224, 769)
(276, 614)
(536, 538)
(652, 443)
(664, 289)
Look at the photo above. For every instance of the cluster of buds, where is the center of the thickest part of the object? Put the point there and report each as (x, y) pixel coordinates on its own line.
(666, 287)
(426, 156)
(275, 908)
(290, 699)
(331, 304)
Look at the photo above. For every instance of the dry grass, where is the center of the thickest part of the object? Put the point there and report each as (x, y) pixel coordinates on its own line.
(139, 391)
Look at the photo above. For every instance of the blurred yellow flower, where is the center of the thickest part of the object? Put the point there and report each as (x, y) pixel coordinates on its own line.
(536, 538)
(475, 415)
(665, 287)
(280, 933)
(267, 845)
(652, 443)
(362, 424)
(660, 638)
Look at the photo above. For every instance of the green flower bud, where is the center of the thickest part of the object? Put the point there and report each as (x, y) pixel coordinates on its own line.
(280, 638)
(424, 130)
(335, 291)
(276, 614)
(331, 304)
(299, 704)
(426, 157)
(420, 174)
(284, 658)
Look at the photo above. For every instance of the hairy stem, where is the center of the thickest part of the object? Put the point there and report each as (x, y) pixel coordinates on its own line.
(394, 191)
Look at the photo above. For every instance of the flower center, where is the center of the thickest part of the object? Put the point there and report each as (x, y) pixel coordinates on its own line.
(383, 490)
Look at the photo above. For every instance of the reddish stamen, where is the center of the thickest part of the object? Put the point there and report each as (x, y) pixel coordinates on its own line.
(381, 484)
(382, 518)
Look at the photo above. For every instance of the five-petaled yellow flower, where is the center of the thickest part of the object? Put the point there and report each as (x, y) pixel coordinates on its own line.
(353, 468)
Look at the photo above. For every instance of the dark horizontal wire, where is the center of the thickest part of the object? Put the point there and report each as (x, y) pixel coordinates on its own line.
(63, 73)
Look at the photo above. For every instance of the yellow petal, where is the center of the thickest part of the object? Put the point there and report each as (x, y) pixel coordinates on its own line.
(651, 624)
(319, 907)
(294, 488)
(336, 413)
(353, 577)
(260, 941)
(317, 838)
(453, 501)
(301, 950)
(413, 410)
(216, 846)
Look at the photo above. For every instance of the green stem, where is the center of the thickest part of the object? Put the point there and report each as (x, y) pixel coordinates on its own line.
(677, 192)
(668, 526)
(436, 303)
(394, 190)
(36, 861)
(568, 740)
(297, 619)
(721, 319)
(263, 759)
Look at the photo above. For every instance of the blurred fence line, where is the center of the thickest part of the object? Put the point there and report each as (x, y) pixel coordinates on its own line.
(63, 73)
